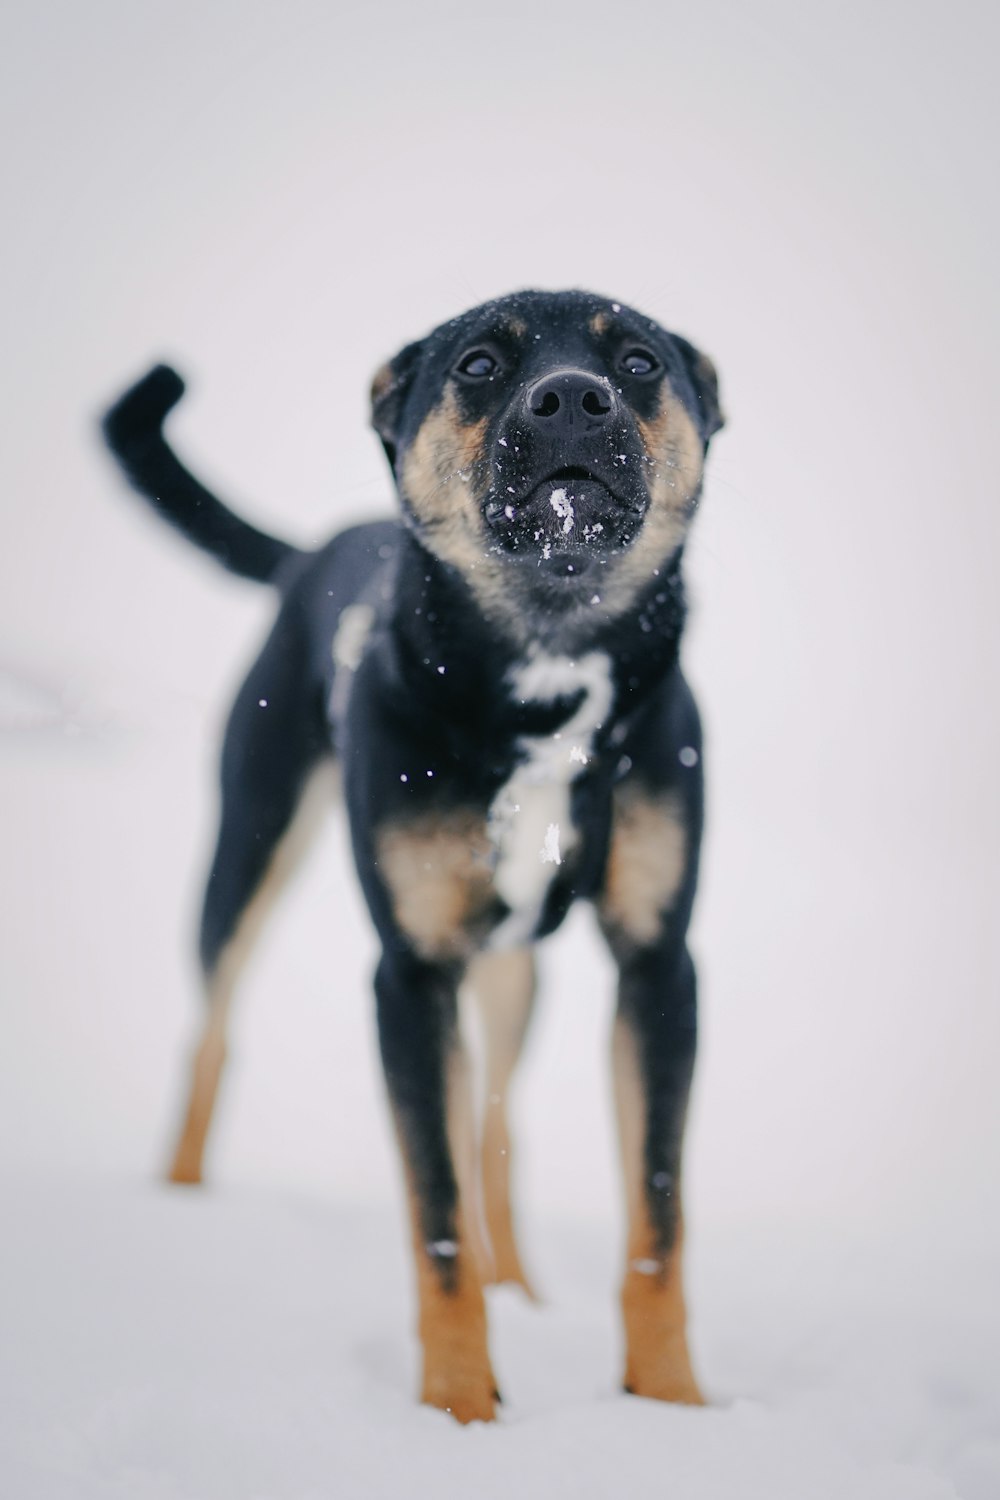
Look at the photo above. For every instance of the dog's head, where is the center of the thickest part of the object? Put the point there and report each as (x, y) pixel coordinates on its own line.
(550, 446)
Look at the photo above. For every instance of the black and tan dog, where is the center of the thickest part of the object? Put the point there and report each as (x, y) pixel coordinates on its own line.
(497, 675)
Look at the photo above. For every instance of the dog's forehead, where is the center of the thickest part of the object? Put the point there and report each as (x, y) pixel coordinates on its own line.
(548, 318)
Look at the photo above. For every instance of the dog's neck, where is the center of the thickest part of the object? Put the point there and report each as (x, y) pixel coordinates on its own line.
(446, 644)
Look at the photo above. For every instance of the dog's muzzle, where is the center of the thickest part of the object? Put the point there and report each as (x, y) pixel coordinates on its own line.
(570, 429)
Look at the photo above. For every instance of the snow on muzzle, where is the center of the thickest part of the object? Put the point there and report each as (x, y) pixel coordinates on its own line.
(566, 523)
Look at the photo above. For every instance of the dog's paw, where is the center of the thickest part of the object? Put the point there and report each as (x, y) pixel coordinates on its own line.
(513, 1275)
(465, 1396)
(663, 1373)
(667, 1385)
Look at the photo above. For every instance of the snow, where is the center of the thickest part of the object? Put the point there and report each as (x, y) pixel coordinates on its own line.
(562, 504)
(550, 848)
(227, 1344)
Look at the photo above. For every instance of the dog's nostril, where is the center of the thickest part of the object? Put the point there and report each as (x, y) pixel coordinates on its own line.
(593, 405)
(548, 406)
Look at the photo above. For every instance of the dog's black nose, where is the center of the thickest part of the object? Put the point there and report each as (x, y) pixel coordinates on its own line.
(570, 401)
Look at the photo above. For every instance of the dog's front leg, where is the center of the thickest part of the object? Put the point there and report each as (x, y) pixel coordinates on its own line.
(653, 1053)
(425, 1073)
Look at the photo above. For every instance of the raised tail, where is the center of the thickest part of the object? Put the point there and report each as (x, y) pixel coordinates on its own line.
(133, 432)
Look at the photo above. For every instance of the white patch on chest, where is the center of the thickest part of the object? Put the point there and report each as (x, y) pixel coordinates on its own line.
(529, 821)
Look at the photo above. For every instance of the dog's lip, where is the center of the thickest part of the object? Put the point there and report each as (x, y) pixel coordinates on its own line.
(574, 474)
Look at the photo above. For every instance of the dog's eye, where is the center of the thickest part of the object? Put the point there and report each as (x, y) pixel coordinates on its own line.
(639, 362)
(478, 364)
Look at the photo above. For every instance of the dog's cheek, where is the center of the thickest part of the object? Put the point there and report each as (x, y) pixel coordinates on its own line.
(442, 470)
(676, 457)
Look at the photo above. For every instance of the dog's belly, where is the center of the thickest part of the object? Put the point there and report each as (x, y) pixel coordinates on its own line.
(530, 823)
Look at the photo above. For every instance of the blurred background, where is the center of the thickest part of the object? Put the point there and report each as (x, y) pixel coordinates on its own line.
(275, 198)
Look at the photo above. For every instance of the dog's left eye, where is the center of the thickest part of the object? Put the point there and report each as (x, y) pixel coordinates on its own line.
(478, 364)
(640, 362)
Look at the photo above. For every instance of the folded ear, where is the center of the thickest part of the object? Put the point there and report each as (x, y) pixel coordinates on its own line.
(705, 382)
(390, 388)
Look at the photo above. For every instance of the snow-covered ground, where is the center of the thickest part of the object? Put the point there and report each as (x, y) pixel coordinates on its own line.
(164, 1344)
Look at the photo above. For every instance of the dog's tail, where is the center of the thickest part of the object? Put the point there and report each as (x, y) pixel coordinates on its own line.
(133, 432)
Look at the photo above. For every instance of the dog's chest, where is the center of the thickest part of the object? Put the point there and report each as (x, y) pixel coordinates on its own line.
(530, 823)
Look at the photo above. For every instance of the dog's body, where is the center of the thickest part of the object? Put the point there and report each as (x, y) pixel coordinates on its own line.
(497, 676)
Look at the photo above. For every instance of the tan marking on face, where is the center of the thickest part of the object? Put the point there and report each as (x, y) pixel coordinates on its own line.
(518, 327)
(657, 1361)
(437, 870)
(210, 1053)
(503, 986)
(599, 324)
(440, 471)
(674, 446)
(646, 862)
(673, 478)
(445, 478)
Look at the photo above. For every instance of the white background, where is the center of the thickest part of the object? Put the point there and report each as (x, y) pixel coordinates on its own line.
(275, 198)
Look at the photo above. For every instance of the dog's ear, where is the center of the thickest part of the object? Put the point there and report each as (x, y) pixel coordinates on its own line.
(705, 383)
(390, 388)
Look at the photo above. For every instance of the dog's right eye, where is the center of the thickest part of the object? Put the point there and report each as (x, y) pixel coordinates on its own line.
(478, 364)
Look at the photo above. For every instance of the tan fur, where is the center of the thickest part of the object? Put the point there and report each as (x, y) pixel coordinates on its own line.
(503, 985)
(673, 443)
(646, 863)
(437, 871)
(206, 1072)
(445, 478)
(437, 472)
(210, 1053)
(673, 476)
(599, 324)
(457, 1375)
(657, 1361)
(463, 1142)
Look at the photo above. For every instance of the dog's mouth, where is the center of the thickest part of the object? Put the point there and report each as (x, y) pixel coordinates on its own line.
(568, 523)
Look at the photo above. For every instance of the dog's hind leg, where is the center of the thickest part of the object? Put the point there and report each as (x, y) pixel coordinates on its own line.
(273, 792)
(503, 985)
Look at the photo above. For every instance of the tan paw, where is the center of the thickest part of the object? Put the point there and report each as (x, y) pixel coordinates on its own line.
(465, 1397)
(666, 1386)
(663, 1373)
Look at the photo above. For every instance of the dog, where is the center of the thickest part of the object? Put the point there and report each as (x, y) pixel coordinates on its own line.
(497, 675)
